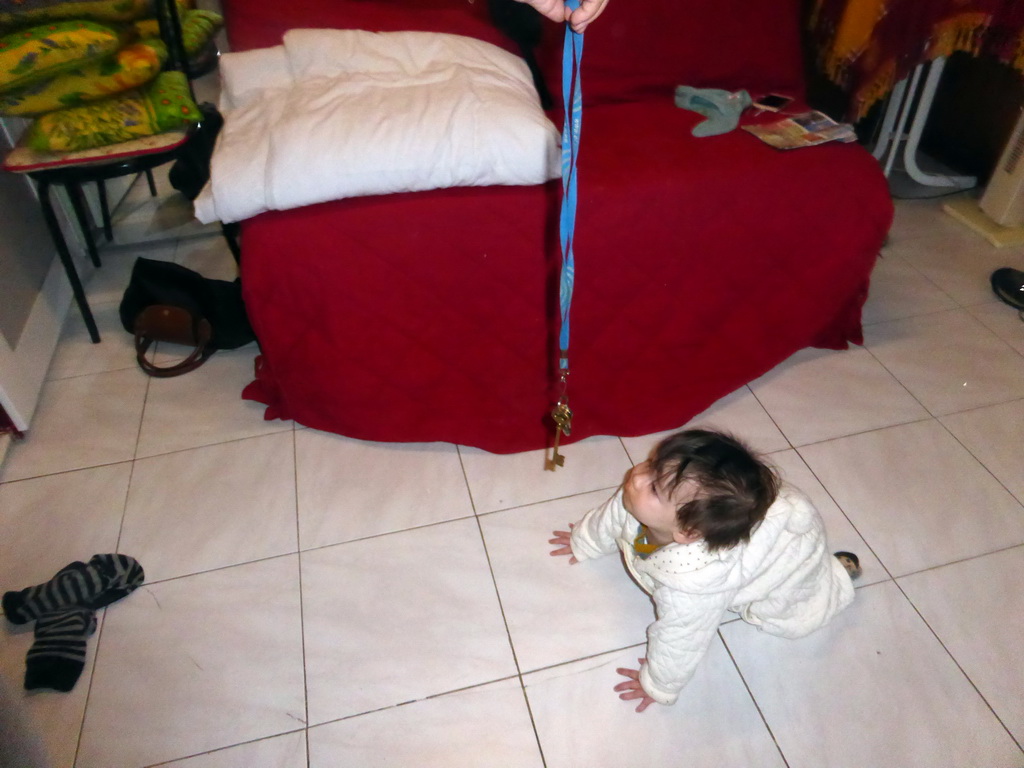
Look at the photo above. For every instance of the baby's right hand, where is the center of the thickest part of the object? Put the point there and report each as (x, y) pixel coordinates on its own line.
(563, 539)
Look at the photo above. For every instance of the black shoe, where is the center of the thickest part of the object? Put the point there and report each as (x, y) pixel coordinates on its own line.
(1008, 285)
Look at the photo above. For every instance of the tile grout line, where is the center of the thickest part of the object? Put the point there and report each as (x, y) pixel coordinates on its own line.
(501, 607)
(444, 522)
(124, 511)
(302, 597)
(407, 702)
(976, 457)
(978, 320)
(927, 313)
(69, 377)
(212, 445)
(821, 482)
(511, 644)
(894, 579)
(844, 513)
(547, 501)
(859, 432)
(68, 471)
(102, 623)
(938, 420)
(753, 699)
(117, 545)
(220, 749)
(896, 378)
(302, 628)
(640, 646)
(958, 665)
(1017, 399)
(959, 560)
(771, 418)
(1020, 316)
(465, 479)
(931, 282)
(970, 315)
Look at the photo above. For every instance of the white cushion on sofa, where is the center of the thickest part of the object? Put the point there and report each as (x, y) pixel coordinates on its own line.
(372, 113)
(245, 75)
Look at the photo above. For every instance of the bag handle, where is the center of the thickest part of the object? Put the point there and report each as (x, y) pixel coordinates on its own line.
(198, 356)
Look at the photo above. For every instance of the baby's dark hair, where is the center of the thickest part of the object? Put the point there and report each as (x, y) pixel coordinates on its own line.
(736, 488)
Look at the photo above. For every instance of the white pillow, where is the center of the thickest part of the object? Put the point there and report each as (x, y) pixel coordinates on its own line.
(356, 52)
(245, 75)
(373, 113)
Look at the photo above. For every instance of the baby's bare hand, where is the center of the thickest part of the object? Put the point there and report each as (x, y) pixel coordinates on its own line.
(631, 690)
(563, 540)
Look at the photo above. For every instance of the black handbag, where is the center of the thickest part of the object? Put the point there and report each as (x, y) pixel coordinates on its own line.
(168, 302)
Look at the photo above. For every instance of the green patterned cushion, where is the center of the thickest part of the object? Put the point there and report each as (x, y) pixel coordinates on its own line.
(132, 66)
(42, 52)
(163, 105)
(21, 12)
(197, 27)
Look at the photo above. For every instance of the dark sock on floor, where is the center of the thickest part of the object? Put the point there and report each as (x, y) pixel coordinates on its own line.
(57, 656)
(101, 581)
(850, 562)
(121, 574)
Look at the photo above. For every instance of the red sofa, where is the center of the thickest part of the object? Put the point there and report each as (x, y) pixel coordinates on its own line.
(701, 263)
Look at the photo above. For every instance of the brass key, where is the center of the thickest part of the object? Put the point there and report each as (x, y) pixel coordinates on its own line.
(562, 416)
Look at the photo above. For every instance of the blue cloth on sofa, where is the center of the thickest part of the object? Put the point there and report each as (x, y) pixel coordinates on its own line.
(721, 108)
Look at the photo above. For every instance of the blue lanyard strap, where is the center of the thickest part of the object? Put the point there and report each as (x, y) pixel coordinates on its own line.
(572, 54)
(572, 98)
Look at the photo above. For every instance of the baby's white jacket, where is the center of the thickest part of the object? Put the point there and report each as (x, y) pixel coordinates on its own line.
(784, 580)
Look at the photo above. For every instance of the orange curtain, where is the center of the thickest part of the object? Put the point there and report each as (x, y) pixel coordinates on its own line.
(867, 46)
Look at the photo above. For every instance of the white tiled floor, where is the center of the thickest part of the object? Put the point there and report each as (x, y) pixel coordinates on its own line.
(314, 600)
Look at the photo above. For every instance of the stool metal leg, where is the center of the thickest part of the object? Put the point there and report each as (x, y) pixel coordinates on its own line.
(108, 229)
(152, 183)
(65, 258)
(924, 106)
(84, 222)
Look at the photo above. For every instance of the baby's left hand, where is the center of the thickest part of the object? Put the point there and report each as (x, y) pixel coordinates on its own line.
(563, 540)
(632, 688)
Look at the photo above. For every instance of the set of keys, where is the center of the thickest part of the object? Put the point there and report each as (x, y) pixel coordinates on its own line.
(562, 416)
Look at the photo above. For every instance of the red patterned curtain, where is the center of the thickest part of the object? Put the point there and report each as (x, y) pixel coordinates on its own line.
(867, 46)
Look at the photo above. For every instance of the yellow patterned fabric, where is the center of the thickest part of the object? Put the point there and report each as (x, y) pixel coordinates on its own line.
(22, 12)
(960, 32)
(867, 46)
(131, 67)
(852, 36)
(164, 105)
(41, 52)
(197, 27)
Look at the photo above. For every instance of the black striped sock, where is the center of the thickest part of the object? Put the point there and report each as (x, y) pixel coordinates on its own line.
(121, 576)
(57, 656)
(101, 581)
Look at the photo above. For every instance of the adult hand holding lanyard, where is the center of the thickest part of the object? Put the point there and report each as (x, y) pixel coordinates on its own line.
(578, 14)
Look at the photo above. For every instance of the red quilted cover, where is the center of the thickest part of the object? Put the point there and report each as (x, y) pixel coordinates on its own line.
(700, 264)
(261, 23)
(645, 48)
